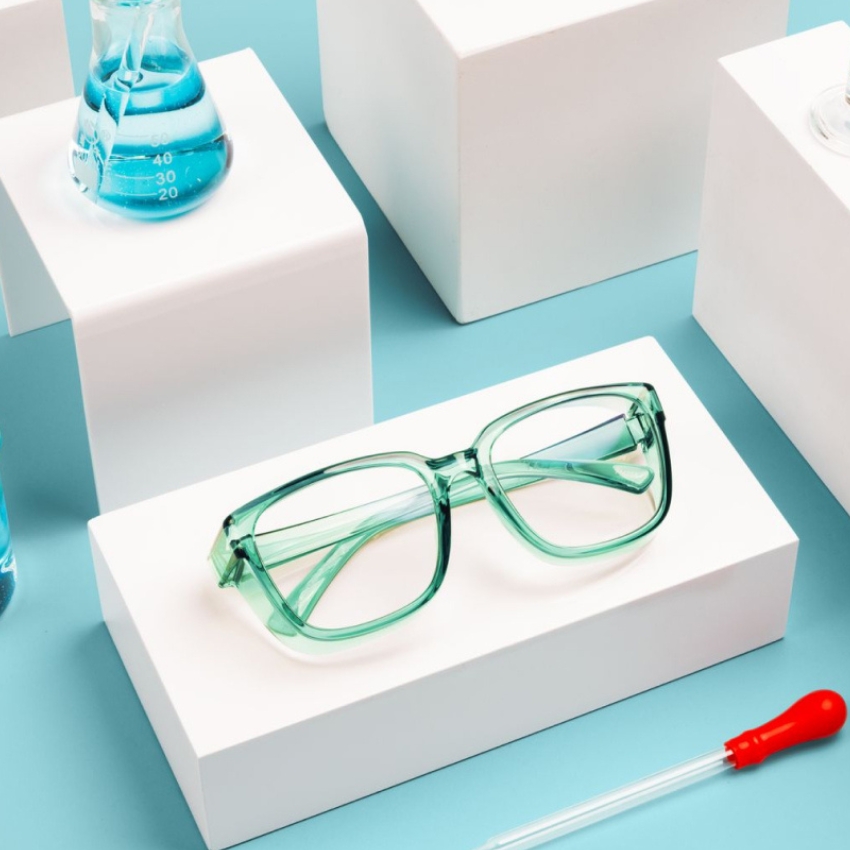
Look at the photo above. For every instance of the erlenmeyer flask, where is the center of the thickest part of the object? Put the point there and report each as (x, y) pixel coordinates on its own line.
(149, 142)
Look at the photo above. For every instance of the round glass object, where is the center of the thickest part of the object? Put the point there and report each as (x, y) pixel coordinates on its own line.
(830, 118)
(149, 142)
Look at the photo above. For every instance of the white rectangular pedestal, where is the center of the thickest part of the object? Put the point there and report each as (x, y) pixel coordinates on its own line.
(524, 149)
(209, 341)
(260, 738)
(35, 66)
(774, 262)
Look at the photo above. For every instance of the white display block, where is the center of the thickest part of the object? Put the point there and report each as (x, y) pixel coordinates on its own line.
(209, 341)
(259, 737)
(774, 261)
(35, 66)
(524, 149)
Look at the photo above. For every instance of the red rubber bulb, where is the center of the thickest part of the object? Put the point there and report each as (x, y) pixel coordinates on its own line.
(818, 715)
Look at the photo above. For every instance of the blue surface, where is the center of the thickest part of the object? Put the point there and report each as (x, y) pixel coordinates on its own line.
(80, 768)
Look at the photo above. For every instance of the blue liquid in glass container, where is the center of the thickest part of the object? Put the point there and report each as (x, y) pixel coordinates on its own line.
(8, 575)
(149, 142)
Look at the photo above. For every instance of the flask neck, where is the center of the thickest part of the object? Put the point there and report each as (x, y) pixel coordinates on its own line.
(133, 4)
(134, 33)
(120, 10)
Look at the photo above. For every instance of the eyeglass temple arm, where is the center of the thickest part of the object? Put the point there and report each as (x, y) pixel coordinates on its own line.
(602, 443)
(352, 529)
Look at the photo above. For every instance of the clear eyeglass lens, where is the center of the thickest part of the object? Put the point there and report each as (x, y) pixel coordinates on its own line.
(584, 472)
(352, 548)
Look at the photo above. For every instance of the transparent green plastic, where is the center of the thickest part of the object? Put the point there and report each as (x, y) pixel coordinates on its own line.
(624, 456)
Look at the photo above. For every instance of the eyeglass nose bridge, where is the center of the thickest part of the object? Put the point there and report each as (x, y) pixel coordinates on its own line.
(455, 464)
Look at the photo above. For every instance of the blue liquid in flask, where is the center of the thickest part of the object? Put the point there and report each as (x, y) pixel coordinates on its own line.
(8, 575)
(149, 142)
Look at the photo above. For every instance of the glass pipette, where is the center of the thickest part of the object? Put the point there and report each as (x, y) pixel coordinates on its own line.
(818, 715)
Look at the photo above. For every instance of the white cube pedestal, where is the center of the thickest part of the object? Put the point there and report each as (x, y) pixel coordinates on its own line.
(35, 66)
(524, 149)
(774, 262)
(209, 341)
(260, 738)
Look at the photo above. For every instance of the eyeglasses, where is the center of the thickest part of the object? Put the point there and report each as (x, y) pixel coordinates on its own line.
(358, 546)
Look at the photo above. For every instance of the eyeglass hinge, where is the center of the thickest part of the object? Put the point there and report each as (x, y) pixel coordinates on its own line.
(641, 428)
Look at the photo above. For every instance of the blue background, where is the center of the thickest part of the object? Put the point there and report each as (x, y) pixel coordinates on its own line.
(80, 767)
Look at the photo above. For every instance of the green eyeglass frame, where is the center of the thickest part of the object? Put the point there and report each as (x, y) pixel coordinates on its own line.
(243, 558)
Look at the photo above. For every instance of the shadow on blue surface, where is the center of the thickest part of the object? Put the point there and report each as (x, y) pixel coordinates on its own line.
(47, 471)
(139, 778)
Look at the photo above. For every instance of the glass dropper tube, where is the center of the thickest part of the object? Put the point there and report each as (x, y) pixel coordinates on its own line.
(819, 714)
(612, 803)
